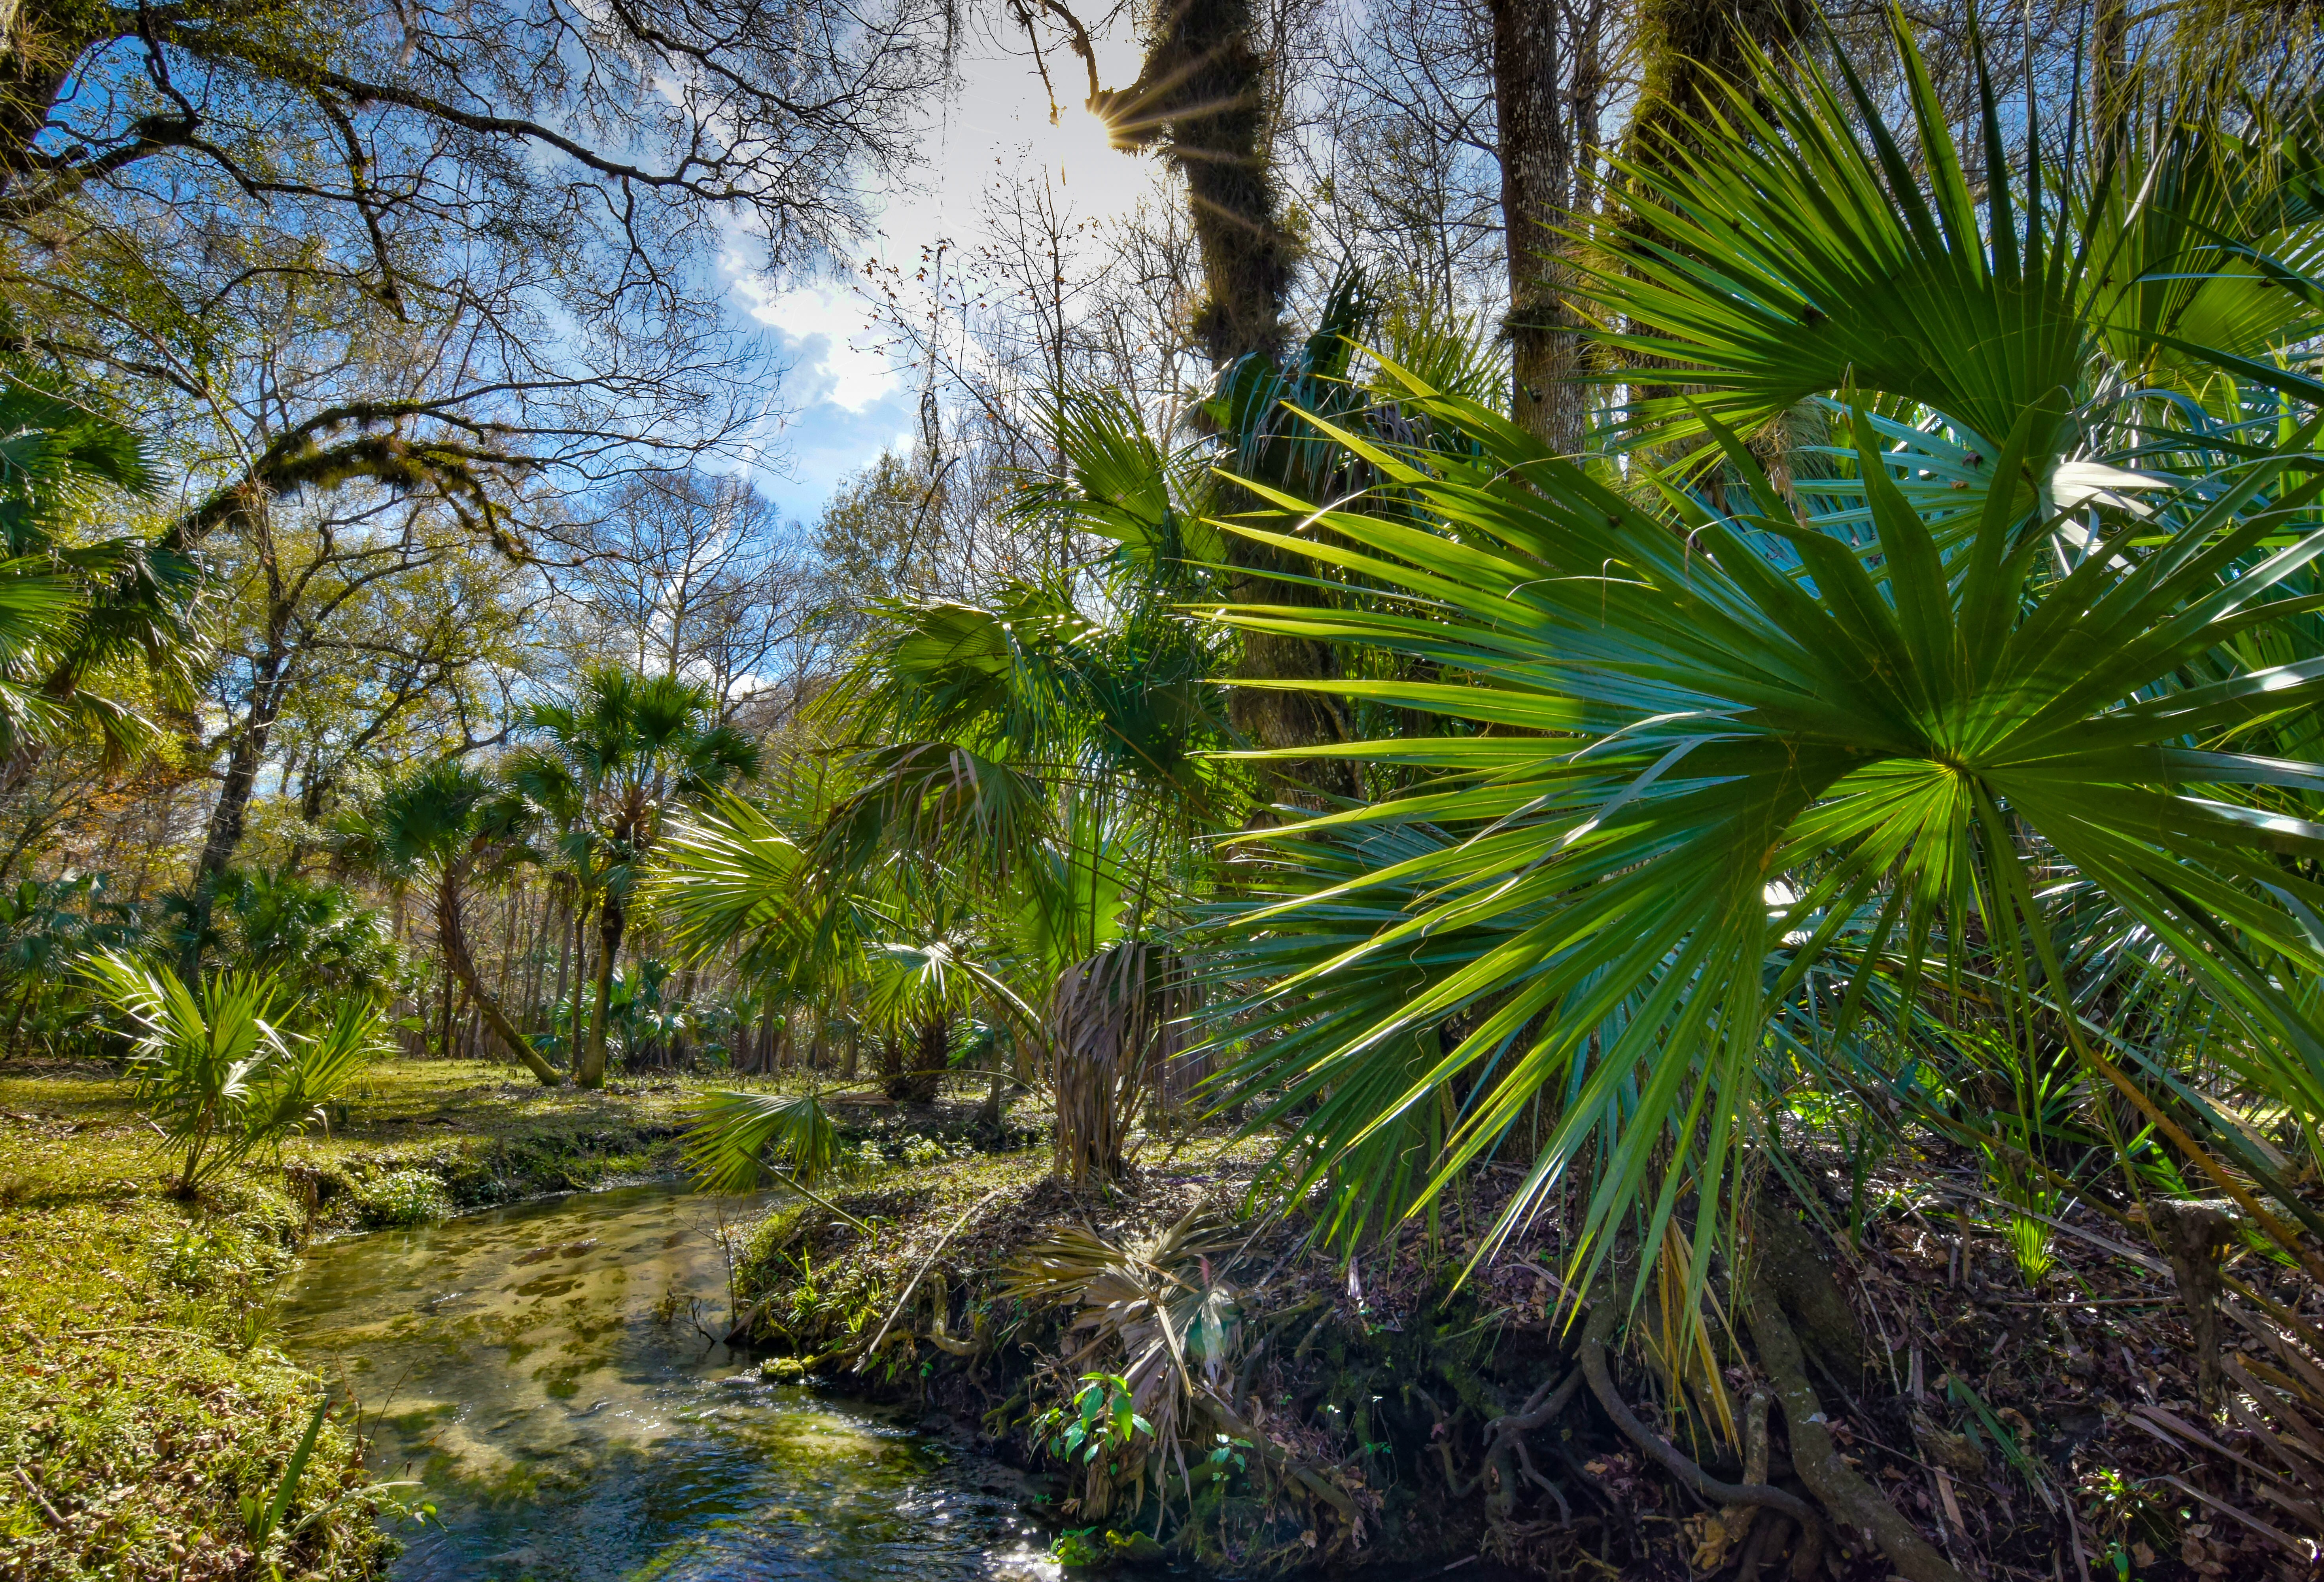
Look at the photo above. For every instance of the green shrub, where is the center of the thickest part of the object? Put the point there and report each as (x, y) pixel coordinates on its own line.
(920, 1151)
(404, 1196)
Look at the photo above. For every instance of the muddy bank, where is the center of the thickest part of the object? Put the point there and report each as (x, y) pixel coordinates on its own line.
(1385, 1412)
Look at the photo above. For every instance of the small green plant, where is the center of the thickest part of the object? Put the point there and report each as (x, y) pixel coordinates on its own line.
(1081, 1546)
(261, 1517)
(1103, 1417)
(2031, 1237)
(402, 1197)
(202, 1261)
(924, 1151)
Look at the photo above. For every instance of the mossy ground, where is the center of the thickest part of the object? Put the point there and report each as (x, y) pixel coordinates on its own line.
(141, 1397)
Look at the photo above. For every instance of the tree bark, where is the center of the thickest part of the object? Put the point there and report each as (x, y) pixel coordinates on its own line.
(230, 816)
(1536, 158)
(451, 935)
(1792, 1265)
(589, 1071)
(1201, 95)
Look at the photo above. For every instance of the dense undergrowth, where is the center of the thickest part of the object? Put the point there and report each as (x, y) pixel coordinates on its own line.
(2017, 1413)
(2016, 1409)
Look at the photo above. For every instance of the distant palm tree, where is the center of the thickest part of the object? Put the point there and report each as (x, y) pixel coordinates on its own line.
(444, 823)
(617, 756)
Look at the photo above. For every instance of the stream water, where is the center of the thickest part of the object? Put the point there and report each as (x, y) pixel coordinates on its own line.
(546, 1373)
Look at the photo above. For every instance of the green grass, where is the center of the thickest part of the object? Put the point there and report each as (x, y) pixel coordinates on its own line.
(139, 1396)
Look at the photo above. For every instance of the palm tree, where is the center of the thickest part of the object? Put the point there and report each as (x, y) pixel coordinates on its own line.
(1720, 754)
(621, 753)
(444, 823)
(1974, 721)
(87, 618)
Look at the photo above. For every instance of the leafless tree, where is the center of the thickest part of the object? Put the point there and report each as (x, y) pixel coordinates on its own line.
(695, 574)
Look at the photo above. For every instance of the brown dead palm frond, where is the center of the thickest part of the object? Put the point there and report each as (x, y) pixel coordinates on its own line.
(1115, 1019)
(1156, 1311)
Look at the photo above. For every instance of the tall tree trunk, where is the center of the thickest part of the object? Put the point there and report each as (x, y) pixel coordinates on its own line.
(1204, 97)
(1688, 49)
(443, 1038)
(451, 935)
(589, 1071)
(567, 937)
(230, 816)
(2110, 78)
(1536, 157)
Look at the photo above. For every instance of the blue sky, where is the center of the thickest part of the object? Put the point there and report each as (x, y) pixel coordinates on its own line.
(848, 404)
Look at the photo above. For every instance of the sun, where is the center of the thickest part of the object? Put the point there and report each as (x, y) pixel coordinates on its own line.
(1079, 146)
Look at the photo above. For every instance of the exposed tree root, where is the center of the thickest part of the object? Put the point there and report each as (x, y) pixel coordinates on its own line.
(1660, 1450)
(1852, 1501)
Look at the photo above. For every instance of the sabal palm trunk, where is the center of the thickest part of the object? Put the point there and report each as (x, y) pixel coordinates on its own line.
(453, 937)
(589, 1071)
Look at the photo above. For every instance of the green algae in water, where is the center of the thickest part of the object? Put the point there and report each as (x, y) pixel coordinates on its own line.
(548, 1375)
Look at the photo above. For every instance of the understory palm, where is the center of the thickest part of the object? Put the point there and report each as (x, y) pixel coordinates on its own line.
(1729, 771)
(224, 1075)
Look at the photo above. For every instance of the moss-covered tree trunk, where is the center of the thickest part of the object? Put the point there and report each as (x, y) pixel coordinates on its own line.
(1204, 98)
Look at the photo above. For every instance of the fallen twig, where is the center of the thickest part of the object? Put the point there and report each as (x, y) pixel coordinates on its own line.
(41, 1499)
(912, 1284)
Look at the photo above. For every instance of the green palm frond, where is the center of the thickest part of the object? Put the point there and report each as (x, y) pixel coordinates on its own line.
(1648, 726)
(1811, 248)
(730, 876)
(738, 1136)
(221, 1076)
(1119, 481)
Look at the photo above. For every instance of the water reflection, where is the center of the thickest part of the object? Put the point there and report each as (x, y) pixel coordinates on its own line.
(548, 1372)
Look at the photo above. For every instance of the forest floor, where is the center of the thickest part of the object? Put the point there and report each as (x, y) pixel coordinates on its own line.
(2038, 1427)
(2024, 1425)
(142, 1403)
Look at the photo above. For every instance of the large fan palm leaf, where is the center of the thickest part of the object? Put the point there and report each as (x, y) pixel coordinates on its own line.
(1649, 730)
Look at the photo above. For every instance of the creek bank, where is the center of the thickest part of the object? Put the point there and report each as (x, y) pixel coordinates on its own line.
(1344, 1393)
(1384, 1413)
(143, 1396)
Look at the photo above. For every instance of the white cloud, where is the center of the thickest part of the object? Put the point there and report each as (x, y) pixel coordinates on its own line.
(827, 328)
(848, 401)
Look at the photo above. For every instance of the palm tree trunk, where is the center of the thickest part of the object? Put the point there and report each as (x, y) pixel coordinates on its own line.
(454, 940)
(590, 1070)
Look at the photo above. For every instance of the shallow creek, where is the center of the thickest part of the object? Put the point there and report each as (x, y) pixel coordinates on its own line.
(544, 1373)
